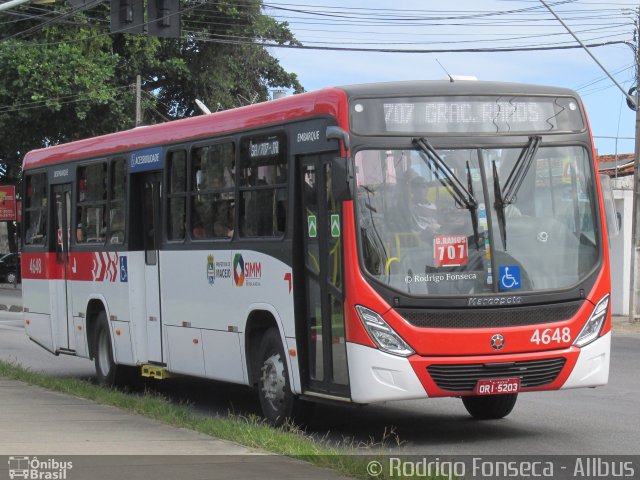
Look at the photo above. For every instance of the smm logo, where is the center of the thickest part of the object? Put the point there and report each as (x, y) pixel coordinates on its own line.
(253, 270)
(238, 269)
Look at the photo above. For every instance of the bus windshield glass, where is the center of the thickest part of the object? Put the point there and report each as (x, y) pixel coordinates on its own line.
(494, 220)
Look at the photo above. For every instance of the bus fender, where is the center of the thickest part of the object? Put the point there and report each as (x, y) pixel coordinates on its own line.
(292, 366)
(90, 315)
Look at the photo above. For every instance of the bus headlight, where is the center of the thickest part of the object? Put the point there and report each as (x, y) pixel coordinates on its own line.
(382, 334)
(593, 327)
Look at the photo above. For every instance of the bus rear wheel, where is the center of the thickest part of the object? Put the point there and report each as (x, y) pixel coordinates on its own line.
(278, 403)
(490, 407)
(108, 373)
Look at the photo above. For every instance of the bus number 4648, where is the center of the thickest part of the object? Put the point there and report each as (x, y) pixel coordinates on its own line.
(35, 266)
(551, 335)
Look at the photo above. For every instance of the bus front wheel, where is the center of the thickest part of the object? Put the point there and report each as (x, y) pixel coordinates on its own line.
(490, 407)
(278, 403)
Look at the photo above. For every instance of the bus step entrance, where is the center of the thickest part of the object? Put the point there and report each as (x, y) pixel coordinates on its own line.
(153, 371)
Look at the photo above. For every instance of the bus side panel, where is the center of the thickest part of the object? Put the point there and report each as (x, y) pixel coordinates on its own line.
(80, 337)
(96, 276)
(215, 291)
(36, 292)
(184, 350)
(38, 328)
(137, 306)
(222, 356)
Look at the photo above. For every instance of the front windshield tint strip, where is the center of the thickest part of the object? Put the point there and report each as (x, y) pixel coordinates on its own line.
(419, 240)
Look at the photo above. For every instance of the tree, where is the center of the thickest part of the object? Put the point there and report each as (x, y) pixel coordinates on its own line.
(71, 79)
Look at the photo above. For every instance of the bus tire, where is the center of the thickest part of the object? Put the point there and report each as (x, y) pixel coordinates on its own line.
(490, 407)
(279, 405)
(108, 373)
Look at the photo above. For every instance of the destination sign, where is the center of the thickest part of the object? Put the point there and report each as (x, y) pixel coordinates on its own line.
(472, 115)
(268, 148)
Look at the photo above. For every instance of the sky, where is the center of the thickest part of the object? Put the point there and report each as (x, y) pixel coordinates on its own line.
(435, 24)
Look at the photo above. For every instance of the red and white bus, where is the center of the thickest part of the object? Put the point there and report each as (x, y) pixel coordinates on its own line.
(357, 244)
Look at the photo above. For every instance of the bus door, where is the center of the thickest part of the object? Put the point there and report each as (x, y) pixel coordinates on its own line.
(151, 190)
(64, 328)
(326, 363)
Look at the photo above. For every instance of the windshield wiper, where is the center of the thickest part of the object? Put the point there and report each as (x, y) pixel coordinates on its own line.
(461, 195)
(474, 217)
(513, 183)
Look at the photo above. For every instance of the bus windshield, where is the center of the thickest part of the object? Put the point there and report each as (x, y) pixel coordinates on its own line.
(477, 220)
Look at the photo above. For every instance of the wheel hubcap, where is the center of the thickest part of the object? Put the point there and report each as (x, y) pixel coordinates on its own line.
(273, 381)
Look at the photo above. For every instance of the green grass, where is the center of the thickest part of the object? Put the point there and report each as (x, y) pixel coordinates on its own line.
(347, 459)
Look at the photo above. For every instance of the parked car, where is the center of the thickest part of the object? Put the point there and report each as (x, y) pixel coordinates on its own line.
(10, 268)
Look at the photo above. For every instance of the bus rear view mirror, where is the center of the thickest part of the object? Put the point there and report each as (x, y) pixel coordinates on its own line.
(340, 179)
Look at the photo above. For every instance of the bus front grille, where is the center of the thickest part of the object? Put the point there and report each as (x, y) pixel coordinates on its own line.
(463, 378)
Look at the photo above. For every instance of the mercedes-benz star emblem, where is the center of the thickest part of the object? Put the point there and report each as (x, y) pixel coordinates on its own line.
(497, 342)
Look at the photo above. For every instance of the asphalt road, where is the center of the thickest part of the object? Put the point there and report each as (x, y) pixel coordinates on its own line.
(585, 422)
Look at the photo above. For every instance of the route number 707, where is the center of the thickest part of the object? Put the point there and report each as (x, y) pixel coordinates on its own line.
(551, 335)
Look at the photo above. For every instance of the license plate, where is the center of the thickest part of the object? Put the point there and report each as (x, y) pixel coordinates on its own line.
(497, 386)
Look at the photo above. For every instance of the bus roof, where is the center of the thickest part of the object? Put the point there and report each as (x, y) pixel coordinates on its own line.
(322, 102)
(446, 87)
(329, 101)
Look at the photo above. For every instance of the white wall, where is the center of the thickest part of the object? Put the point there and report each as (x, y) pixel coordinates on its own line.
(620, 247)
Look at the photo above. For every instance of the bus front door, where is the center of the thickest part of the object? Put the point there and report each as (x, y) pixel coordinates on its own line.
(64, 334)
(326, 359)
(151, 215)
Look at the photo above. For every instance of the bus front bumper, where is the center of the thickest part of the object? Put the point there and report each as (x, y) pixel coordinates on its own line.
(376, 376)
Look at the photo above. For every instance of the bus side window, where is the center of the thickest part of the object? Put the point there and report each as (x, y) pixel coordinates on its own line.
(212, 196)
(263, 186)
(36, 210)
(92, 203)
(177, 195)
(117, 193)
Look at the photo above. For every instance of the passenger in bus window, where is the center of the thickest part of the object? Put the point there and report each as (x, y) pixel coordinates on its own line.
(223, 226)
(79, 233)
(198, 231)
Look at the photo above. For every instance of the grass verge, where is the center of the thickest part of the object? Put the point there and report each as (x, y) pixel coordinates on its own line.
(248, 431)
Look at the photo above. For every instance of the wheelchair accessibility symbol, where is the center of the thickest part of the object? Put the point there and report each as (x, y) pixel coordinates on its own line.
(510, 277)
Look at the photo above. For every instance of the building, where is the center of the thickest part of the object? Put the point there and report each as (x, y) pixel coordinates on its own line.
(620, 170)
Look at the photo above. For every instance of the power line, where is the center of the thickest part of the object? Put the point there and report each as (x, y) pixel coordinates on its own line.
(64, 100)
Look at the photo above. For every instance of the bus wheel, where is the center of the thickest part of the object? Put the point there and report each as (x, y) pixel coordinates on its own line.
(274, 390)
(107, 372)
(490, 407)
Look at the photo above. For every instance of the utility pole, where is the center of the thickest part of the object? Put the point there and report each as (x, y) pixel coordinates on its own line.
(634, 284)
(138, 101)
